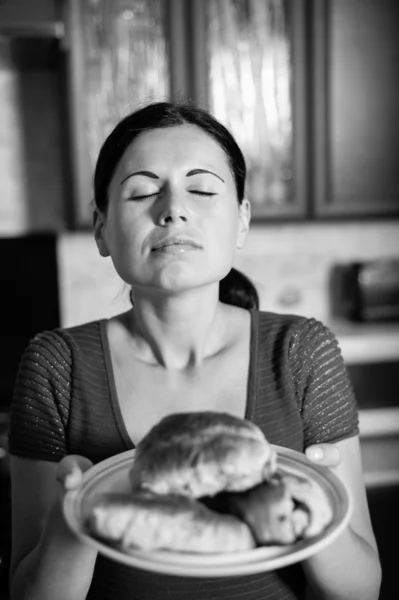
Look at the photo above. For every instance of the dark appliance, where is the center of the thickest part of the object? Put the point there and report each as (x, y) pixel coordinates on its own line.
(366, 291)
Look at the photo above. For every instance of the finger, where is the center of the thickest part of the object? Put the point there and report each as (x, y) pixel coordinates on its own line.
(324, 454)
(71, 469)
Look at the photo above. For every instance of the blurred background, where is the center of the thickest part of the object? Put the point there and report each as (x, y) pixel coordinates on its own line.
(310, 89)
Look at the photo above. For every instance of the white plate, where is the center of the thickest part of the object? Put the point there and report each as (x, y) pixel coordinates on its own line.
(112, 475)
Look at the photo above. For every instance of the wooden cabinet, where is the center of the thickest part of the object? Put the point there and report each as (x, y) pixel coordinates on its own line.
(309, 88)
(245, 61)
(252, 72)
(355, 107)
(119, 54)
(33, 153)
(40, 18)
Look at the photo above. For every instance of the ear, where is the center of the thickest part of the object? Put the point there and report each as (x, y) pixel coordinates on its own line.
(98, 224)
(244, 220)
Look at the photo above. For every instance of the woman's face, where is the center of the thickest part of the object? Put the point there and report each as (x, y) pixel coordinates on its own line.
(173, 222)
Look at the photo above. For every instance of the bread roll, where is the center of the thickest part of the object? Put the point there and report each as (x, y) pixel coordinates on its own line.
(200, 454)
(207, 482)
(306, 494)
(149, 522)
(281, 511)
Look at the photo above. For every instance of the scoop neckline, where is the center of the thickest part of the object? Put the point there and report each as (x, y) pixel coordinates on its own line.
(115, 406)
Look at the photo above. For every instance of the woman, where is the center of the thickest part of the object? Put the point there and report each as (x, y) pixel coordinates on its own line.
(170, 212)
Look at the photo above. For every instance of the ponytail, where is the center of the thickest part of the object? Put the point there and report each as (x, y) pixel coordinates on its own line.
(238, 290)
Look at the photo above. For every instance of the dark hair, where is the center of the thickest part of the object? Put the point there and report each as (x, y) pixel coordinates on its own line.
(235, 288)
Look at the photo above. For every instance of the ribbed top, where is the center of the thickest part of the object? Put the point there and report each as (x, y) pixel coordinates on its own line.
(65, 402)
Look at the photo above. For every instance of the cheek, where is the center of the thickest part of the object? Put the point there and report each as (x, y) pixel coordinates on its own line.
(223, 246)
(123, 248)
(122, 229)
(227, 227)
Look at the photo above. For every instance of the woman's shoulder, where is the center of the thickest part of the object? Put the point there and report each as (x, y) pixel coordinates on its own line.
(279, 319)
(277, 325)
(59, 340)
(64, 343)
(299, 334)
(292, 324)
(90, 330)
(84, 331)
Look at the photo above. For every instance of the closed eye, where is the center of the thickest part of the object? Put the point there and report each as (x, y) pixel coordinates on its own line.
(199, 193)
(153, 195)
(144, 197)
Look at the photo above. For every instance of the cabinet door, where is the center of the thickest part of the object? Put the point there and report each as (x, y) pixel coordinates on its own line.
(356, 107)
(118, 55)
(243, 59)
(38, 18)
(249, 67)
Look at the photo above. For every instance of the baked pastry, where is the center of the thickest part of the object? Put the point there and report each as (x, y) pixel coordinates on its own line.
(280, 511)
(150, 522)
(201, 454)
(207, 482)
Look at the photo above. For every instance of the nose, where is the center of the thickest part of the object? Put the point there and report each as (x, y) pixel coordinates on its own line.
(172, 215)
(173, 209)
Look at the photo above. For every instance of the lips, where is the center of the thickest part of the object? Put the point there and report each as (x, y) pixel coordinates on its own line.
(177, 242)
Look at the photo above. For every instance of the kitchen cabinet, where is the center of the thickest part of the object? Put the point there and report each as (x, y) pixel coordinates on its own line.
(355, 106)
(380, 459)
(117, 56)
(309, 88)
(33, 138)
(252, 74)
(40, 18)
(30, 303)
(245, 61)
(383, 504)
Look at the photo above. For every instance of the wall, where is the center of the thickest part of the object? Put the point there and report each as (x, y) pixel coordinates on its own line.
(31, 138)
(290, 265)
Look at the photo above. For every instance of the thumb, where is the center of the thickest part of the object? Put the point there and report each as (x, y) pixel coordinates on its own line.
(70, 471)
(327, 455)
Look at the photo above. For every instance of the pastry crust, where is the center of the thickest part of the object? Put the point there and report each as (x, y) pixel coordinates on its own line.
(201, 454)
(149, 522)
(281, 511)
(207, 482)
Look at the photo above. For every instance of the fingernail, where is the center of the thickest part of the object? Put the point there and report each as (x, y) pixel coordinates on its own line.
(68, 481)
(72, 478)
(316, 454)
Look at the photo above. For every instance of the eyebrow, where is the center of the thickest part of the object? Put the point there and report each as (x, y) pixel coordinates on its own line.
(189, 174)
(198, 171)
(145, 173)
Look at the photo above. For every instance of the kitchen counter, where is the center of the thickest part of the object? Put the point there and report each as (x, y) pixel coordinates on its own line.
(379, 422)
(379, 442)
(367, 342)
(370, 351)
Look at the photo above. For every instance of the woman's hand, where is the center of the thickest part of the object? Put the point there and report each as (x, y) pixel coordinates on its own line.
(327, 455)
(349, 567)
(70, 472)
(42, 541)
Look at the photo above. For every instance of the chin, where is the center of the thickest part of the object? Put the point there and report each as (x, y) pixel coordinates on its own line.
(178, 279)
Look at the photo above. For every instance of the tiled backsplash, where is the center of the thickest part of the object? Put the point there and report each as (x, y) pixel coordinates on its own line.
(289, 264)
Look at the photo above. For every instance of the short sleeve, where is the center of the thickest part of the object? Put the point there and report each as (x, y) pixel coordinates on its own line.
(324, 391)
(40, 405)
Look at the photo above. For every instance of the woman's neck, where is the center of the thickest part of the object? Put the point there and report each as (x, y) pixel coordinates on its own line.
(179, 332)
